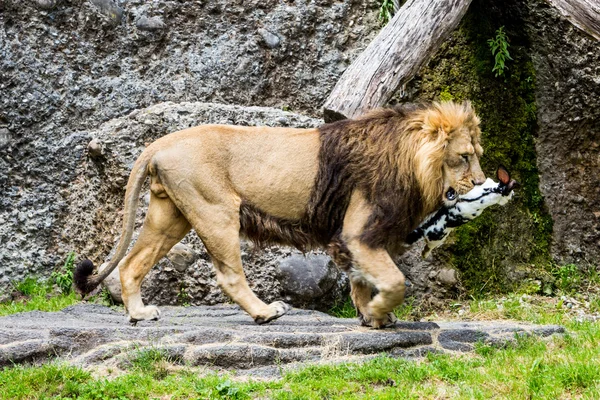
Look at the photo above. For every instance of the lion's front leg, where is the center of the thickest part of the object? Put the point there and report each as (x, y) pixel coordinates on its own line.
(361, 293)
(371, 266)
(377, 267)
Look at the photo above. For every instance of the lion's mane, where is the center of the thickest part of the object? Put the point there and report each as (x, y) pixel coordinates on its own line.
(394, 156)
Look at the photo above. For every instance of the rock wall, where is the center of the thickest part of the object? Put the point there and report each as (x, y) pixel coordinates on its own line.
(67, 66)
(125, 73)
(567, 64)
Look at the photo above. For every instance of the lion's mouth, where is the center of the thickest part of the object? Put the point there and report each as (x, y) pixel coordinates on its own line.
(464, 188)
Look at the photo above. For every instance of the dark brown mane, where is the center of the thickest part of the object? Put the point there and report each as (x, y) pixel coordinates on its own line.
(363, 154)
(355, 154)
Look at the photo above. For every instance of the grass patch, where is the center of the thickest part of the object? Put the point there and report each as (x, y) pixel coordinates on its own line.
(33, 294)
(409, 310)
(344, 309)
(560, 367)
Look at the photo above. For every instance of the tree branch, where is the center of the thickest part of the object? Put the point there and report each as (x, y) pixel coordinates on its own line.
(584, 14)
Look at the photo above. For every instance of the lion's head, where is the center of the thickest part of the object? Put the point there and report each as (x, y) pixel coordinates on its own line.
(446, 139)
(404, 159)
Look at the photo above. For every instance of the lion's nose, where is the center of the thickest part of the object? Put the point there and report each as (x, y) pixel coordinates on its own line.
(478, 181)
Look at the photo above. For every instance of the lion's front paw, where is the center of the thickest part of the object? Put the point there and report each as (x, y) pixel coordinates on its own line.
(378, 323)
(144, 313)
(275, 310)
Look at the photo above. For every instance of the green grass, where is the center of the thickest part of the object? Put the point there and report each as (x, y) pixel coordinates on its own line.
(33, 294)
(560, 367)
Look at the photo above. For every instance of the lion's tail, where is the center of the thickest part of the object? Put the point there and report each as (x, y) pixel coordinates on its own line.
(83, 279)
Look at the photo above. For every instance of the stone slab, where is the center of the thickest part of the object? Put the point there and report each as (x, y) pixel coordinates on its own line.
(224, 337)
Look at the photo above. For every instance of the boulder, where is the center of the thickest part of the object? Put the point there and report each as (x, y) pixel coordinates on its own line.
(312, 281)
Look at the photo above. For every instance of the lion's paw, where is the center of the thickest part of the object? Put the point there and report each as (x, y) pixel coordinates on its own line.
(276, 310)
(388, 321)
(144, 313)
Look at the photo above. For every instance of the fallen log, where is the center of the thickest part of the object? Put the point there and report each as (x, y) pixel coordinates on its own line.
(396, 54)
(584, 14)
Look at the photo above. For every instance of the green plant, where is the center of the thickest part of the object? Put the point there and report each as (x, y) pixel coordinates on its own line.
(595, 303)
(227, 390)
(183, 297)
(32, 287)
(64, 278)
(567, 277)
(499, 47)
(386, 11)
(152, 361)
(344, 309)
(39, 296)
(445, 95)
(105, 297)
(407, 311)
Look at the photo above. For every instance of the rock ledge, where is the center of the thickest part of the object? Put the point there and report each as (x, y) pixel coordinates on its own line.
(220, 337)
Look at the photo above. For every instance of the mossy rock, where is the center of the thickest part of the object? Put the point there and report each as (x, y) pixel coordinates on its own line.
(506, 247)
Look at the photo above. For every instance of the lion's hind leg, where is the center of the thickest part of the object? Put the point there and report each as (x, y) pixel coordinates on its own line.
(218, 226)
(163, 227)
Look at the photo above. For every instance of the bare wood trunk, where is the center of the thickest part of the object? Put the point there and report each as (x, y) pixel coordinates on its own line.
(584, 14)
(396, 54)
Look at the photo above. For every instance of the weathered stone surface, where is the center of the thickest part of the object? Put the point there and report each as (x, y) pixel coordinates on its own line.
(4, 137)
(269, 38)
(181, 256)
(150, 24)
(447, 277)
(110, 10)
(44, 4)
(568, 109)
(225, 337)
(312, 280)
(95, 148)
(65, 71)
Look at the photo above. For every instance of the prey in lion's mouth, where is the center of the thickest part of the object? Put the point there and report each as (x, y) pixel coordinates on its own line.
(357, 187)
(461, 209)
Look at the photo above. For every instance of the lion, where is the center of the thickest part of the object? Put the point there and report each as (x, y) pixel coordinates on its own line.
(356, 187)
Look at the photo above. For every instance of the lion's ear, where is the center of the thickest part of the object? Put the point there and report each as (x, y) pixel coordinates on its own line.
(434, 126)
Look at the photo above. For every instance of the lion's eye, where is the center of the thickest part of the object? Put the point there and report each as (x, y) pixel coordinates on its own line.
(465, 158)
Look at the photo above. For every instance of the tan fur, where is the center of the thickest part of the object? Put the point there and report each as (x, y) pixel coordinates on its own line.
(359, 185)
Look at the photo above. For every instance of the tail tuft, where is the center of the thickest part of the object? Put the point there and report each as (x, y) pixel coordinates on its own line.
(82, 277)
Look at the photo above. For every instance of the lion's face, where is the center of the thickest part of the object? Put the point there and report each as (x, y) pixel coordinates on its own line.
(461, 169)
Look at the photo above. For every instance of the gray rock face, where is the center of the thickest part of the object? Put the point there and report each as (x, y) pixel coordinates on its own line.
(182, 257)
(4, 137)
(150, 24)
(225, 337)
(269, 38)
(66, 69)
(311, 281)
(44, 4)
(568, 107)
(110, 10)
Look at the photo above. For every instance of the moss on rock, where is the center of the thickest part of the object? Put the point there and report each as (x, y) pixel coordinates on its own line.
(509, 246)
